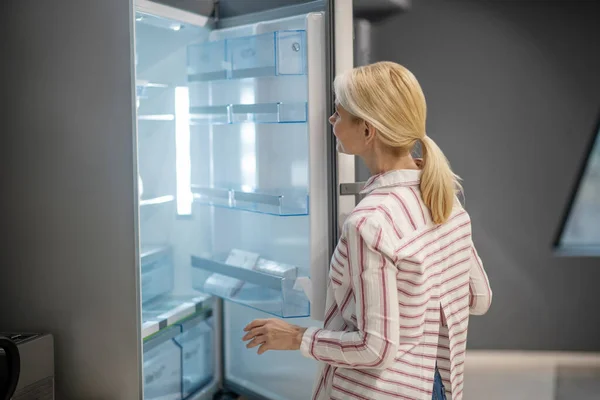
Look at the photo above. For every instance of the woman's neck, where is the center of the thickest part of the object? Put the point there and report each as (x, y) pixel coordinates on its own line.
(378, 164)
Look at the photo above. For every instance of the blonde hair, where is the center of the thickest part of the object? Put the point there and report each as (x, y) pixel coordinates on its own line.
(389, 97)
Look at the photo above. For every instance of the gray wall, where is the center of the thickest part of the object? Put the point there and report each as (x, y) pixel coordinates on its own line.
(68, 251)
(513, 92)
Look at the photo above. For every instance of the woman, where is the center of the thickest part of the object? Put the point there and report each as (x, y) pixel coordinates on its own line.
(405, 274)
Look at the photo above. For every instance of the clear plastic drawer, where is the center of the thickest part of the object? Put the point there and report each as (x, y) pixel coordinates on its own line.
(197, 346)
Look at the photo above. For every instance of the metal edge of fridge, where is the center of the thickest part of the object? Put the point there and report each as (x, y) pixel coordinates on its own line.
(136, 200)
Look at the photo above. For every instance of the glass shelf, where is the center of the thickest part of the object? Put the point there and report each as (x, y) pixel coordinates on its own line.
(282, 204)
(269, 113)
(179, 361)
(268, 54)
(143, 88)
(149, 254)
(157, 200)
(166, 311)
(156, 117)
(269, 286)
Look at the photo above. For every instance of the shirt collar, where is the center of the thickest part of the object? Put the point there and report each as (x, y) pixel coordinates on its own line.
(401, 177)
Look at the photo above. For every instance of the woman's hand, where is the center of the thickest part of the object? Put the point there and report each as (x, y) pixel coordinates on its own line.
(273, 334)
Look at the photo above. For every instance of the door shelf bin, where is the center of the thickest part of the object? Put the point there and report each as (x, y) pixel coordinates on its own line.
(286, 203)
(278, 295)
(157, 272)
(268, 54)
(178, 362)
(267, 113)
(274, 113)
(207, 61)
(210, 115)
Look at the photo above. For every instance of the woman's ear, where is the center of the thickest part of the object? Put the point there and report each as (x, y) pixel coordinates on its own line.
(369, 131)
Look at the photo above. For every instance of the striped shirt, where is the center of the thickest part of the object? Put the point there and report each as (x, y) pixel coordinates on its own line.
(399, 296)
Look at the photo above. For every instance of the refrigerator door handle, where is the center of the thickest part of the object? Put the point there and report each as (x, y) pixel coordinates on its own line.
(351, 189)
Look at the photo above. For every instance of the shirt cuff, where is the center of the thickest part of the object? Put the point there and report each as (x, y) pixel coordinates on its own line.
(308, 339)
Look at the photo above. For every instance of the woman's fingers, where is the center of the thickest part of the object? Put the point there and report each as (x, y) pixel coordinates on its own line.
(255, 324)
(258, 340)
(263, 348)
(261, 330)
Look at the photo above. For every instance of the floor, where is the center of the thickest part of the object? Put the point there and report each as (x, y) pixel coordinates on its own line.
(501, 375)
(532, 376)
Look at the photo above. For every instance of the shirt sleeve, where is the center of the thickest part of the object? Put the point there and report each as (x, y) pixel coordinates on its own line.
(375, 343)
(479, 286)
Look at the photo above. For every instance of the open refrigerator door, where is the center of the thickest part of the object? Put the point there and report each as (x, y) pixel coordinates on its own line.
(239, 202)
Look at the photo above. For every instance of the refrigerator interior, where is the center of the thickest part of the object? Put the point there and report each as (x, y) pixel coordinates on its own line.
(224, 188)
(179, 351)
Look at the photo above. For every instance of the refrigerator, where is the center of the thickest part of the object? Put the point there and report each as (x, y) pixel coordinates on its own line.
(238, 194)
(168, 175)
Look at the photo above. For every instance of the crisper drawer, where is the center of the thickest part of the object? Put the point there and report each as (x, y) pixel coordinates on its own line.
(162, 366)
(157, 272)
(196, 342)
(179, 361)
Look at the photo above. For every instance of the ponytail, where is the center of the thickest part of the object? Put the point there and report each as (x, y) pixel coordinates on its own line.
(438, 183)
(400, 122)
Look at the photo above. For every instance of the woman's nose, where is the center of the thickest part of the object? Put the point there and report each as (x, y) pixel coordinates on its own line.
(332, 119)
